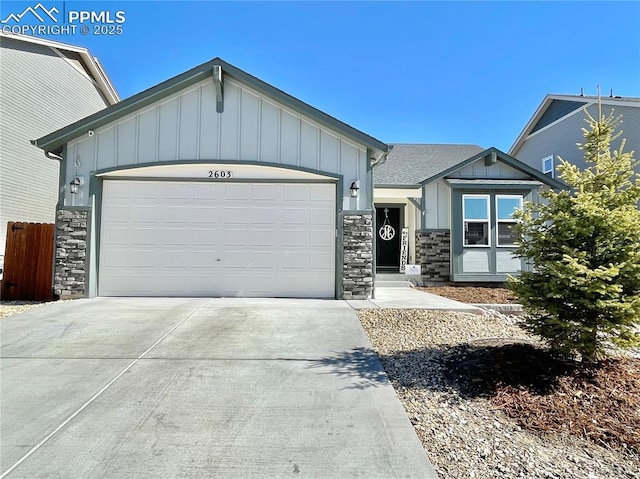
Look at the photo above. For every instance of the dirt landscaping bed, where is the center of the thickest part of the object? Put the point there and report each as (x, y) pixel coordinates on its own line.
(473, 294)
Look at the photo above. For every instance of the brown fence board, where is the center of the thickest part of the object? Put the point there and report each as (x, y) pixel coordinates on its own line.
(28, 263)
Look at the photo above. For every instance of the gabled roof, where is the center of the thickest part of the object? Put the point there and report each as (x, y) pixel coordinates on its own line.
(573, 102)
(503, 157)
(90, 64)
(410, 164)
(54, 142)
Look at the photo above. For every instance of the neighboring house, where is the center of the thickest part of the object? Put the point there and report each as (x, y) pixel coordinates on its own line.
(214, 183)
(44, 85)
(556, 128)
(457, 202)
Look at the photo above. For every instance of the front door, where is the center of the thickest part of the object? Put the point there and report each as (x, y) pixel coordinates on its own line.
(388, 238)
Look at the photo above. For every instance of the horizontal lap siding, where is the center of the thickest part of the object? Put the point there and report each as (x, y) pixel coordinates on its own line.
(40, 93)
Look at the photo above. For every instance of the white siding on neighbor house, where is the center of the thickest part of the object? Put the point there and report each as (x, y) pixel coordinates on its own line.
(560, 139)
(186, 128)
(40, 92)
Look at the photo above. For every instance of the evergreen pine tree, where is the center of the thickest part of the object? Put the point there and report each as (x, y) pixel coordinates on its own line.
(584, 244)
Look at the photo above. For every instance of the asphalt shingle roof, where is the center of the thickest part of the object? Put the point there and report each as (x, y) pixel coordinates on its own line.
(409, 164)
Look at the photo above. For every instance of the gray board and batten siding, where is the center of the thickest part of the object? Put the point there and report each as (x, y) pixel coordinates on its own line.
(560, 139)
(183, 126)
(42, 89)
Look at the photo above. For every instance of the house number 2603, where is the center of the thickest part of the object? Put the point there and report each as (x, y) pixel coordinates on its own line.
(220, 174)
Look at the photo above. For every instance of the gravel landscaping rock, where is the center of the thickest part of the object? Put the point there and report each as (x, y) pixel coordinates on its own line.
(469, 437)
(9, 308)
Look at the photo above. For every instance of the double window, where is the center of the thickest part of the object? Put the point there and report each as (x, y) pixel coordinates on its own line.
(477, 224)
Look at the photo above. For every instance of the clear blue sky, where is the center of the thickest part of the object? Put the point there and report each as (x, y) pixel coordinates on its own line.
(403, 72)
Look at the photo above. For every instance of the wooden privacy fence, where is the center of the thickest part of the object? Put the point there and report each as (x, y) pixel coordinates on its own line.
(28, 262)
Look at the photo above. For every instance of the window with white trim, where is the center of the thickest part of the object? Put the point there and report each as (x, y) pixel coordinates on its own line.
(476, 220)
(506, 205)
(548, 166)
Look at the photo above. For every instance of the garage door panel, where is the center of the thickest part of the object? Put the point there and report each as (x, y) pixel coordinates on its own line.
(115, 190)
(292, 260)
(292, 216)
(240, 215)
(142, 236)
(321, 261)
(236, 192)
(116, 259)
(203, 191)
(320, 238)
(176, 191)
(295, 238)
(143, 214)
(117, 214)
(265, 238)
(204, 215)
(265, 216)
(146, 190)
(175, 214)
(265, 193)
(115, 236)
(217, 239)
(202, 259)
(318, 193)
(322, 216)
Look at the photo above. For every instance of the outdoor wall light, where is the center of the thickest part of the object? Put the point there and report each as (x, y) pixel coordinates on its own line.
(355, 189)
(75, 184)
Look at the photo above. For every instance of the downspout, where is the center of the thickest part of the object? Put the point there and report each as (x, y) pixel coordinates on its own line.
(375, 162)
(53, 156)
(60, 159)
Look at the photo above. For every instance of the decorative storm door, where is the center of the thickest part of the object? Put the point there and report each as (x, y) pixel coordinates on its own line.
(388, 229)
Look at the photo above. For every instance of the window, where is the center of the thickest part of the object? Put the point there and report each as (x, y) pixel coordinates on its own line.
(547, 166)
(475, 214)
(505, 207)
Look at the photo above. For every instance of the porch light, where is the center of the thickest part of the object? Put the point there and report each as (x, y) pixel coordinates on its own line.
(74, 185)
(355, 189)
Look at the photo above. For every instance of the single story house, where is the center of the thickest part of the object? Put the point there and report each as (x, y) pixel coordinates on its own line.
(214, 183)
(456, 204)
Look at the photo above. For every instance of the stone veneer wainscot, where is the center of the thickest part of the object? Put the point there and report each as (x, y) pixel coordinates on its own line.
(70, 275)
(357, 279)
(433, 253)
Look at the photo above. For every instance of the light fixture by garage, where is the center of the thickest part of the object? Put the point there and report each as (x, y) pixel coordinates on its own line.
(77, 181)
(355, 189)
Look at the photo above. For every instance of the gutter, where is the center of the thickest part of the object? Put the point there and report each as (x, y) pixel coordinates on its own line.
(382, 159)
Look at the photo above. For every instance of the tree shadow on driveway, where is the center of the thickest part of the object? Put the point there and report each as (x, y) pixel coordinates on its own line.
(471, 370)
(361, 365)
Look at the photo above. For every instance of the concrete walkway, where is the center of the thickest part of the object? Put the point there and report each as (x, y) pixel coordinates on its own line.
(130, 388)
(410, 298)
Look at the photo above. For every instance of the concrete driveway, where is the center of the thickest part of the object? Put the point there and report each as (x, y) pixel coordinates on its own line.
(129, 388)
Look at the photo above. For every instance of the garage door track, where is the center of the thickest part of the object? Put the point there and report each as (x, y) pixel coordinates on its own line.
(129, 388)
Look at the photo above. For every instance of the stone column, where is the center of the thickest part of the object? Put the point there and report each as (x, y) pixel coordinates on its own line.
(70, 277)
(433, 253)
(357, 271)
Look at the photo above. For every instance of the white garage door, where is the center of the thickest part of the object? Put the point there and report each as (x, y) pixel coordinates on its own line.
(177, 238)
